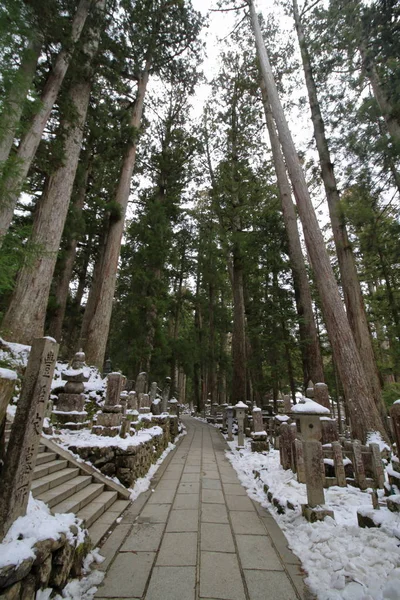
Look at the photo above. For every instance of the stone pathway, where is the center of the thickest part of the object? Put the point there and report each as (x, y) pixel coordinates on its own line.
(198, 535)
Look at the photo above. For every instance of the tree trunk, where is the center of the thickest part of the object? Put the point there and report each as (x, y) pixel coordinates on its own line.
(25, 317)
(363, 411)
(12, 185)
(95, 339)
(310, 348)
(355, 306)
(63, 281)
(14, 102)
(239, 388)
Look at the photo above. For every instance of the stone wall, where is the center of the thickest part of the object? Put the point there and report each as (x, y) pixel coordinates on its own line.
(134, 462)
(55, 562)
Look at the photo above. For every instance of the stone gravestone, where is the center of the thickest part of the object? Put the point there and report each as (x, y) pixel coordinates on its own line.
(287, 435)
(241, 408)
(165, 395)
(132, 401)
(141, 387)
(145, 404)
(8, 379)
(259, 442)
(287, 404)
(24, 441)
(70, 406)
(109, 420)
(153, 391)
(321, 394)
(229, 418)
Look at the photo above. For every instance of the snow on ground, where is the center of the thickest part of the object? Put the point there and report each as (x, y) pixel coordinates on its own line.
(343, 561)
(85, 439)
(38, 524)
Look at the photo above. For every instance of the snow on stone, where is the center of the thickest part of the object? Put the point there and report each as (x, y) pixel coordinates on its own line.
(282, 418)
(38, 524)
(241, 405)
(343, 561)
(8, 374)
(84, 439)
(397, 401)
(309, 406)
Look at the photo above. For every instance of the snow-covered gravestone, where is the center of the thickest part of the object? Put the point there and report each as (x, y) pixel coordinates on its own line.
(307, 414)
(70, 407)
(24, 441)
(240, 408)
(321, 394)
(259, 435)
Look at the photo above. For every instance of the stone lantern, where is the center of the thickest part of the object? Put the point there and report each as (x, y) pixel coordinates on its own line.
(307, 414)
(240, 408)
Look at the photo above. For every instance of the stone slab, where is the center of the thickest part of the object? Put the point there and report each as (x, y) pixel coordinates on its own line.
(172, 583)
(187, 501)
(234, 489)
(216, 537)
(144, 537)
(213, 513)
(190, 478)
(277, 583)
(161, 496)
(220, 577)
(112, 545)
(155, 513)
(210, 474)
(244, 522)
(257, 552)
(192, 469)
(178, 550)
(183, 520)
(189, 488)
(127, 576)
(212, 496)
(239, 503)
(211, 484)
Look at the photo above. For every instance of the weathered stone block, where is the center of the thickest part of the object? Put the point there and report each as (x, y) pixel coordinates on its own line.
(109, 419)
(11, 574)
(62, 564)
(12, 593)
(28, 588)
(393, 503)
(68, 402)
(314, 514)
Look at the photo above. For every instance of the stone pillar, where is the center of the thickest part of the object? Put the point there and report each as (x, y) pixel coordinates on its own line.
(338, 464)
(109, 421)
(153, 391)
(24, 441)
(287, 435)
(8, 379)
(224, 406)
(69, 412)
(229, 418)
(358, 465)
(287, 404)
(132, 401)
(299, 461)
(310, 390)
(173, 406)
(241, 408)
(321, 394)
(259, 435)
(377, 466)
(395, 416)
(165, 395)
(144, 408)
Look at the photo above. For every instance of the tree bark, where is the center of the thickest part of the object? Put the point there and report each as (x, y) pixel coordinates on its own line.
(95, 337)
(12, 185)
(310, 348)
(363, 411)
(25, 317)
(14, 101)
(353, 297)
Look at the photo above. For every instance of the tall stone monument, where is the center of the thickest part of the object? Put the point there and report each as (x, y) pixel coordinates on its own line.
(24, 441)
(70, 412)
(110, 419)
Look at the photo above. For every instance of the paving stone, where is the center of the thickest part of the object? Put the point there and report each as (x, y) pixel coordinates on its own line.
(234, 489)
(183, 520)
(178, 550)
(172, 583)
(144, 537)
(189, 488)
(188, 501)
(257, 552)
(212, 496)
(112, 545)
(239, 503)
(162, 497)
(191, 469)
(210, 474)
(220, 576)
(245, 522)
(190, 478)
(277, 583)
(279, 541)
(213, 513)
(167, 484)
(211, 484)
(216, 537)
(154, 513)
(127, 576)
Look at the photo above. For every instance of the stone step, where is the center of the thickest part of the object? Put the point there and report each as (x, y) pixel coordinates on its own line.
(90, 513)
(80, 499)
(50, 467)
(53, 479)
(106, 521)
(44, 457)
(58, 494)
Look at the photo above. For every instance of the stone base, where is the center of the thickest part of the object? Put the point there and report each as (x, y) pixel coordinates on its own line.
(75, 426)
(69, 402)
(64, 418)
(109, 419)
(316, 514)
(365, 520)
(258, 445)
(393, 503)
(105, 431)
(144, 410)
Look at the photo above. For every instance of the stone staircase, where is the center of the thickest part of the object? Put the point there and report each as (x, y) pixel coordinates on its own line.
(67, 485)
